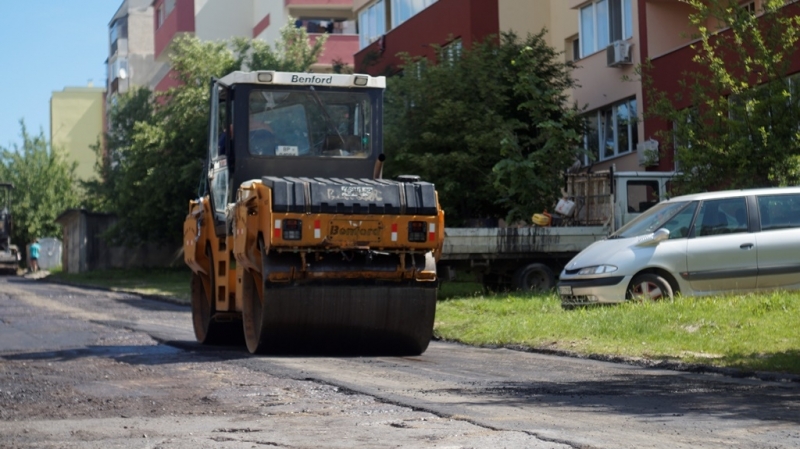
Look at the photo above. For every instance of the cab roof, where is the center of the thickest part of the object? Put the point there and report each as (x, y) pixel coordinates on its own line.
(271, 77)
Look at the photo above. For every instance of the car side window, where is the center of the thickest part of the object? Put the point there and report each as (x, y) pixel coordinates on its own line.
(779, 211)
(724, 216)
(678, 226)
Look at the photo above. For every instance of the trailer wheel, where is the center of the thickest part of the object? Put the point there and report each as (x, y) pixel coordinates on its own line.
(535, 277)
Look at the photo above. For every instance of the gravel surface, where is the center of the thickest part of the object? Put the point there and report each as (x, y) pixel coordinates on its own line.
(77, 371)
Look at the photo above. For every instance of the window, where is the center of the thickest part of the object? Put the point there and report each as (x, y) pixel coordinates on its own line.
(286, 123)
(403, 10)
(750, 7)
(572, 48)
(452, 51)
(603, 22)
(330, 26)
(117, 31)
(118, 69)
(160, 16)
(726, 216)
(612, 131)
(779, 212)
(372, 23)
(642, 195)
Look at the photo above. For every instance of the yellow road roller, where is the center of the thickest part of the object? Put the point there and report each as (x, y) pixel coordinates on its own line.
(297, 243)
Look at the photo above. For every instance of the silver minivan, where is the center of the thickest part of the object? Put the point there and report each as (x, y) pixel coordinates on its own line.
(715, 242)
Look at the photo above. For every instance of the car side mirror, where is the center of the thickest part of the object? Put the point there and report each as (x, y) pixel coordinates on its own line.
(654, 239)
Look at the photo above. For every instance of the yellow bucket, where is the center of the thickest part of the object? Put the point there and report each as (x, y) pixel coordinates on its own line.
(541, 219)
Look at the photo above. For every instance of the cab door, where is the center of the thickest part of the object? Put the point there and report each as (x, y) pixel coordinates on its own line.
(219, 144)
(722, 254)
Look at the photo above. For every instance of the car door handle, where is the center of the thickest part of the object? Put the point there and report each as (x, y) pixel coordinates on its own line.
(746, 246)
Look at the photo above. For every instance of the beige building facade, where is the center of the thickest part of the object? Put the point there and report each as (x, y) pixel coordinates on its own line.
(77, 116)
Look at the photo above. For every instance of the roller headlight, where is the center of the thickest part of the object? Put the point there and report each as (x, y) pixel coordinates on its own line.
(598, 269)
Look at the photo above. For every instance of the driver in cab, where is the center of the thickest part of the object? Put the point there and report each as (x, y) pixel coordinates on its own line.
(262, 137)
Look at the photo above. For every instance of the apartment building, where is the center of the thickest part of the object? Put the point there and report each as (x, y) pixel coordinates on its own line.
(600, 35)
(131, 59)
(665, 40)
(259, 19)
(606, 47)
(389, 27)
(77, 118)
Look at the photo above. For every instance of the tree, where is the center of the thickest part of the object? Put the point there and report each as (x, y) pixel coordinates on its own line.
(158, 141)
(741, 128)
(45, 185)
(492, 127)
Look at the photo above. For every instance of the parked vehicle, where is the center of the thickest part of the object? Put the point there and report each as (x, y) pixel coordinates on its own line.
(707, 243)
(9, 253)
(529, 258)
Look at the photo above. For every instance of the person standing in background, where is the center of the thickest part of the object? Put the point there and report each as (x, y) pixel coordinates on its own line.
(35, 255)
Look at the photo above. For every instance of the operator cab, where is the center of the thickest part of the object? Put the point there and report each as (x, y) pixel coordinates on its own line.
(296, 125)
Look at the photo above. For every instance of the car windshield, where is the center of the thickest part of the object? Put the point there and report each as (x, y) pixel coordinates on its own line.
(310, 123)
(674, 216)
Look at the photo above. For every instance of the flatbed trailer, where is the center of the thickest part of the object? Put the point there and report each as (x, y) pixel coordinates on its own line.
(526, 258)
(531, 257)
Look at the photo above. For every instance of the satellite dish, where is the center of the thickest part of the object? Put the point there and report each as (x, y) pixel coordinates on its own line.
(123, 74)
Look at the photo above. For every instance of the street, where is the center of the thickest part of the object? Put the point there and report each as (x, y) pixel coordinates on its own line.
(85, 368)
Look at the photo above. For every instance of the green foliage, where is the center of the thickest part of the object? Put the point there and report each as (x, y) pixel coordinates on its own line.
(742, 128)
(158, 141)
(492, 128)
(45, 185)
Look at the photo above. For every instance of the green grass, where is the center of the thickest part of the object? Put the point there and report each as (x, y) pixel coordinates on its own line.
(750, 332)
(172, 282)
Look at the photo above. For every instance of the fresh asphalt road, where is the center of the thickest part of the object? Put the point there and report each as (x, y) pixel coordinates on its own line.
(554, 401)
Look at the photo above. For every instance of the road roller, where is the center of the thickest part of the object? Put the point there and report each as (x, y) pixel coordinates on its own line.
(296, 242)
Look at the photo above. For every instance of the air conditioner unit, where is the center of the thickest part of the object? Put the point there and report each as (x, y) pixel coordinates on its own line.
(647, 152)
(618, 53)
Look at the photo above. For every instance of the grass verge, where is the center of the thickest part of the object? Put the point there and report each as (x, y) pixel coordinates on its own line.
(752, 332)
(171, 282)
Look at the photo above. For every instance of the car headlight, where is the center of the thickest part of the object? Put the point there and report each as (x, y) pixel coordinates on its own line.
(598, 269)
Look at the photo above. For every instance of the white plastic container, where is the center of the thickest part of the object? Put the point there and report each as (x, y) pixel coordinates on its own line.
(565, 207)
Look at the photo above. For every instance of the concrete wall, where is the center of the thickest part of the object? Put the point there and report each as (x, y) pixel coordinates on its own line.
(85, 248)
(525, 16)
(76, 123)
(218, 20)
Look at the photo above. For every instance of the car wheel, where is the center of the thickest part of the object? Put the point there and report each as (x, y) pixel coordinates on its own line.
(649, 287)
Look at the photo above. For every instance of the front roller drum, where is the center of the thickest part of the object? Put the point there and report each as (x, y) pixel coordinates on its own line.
(375, 319)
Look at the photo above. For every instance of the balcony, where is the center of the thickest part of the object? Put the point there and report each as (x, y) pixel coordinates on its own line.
(170, 24)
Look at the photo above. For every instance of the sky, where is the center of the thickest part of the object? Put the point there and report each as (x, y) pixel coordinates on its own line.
(45, 46)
